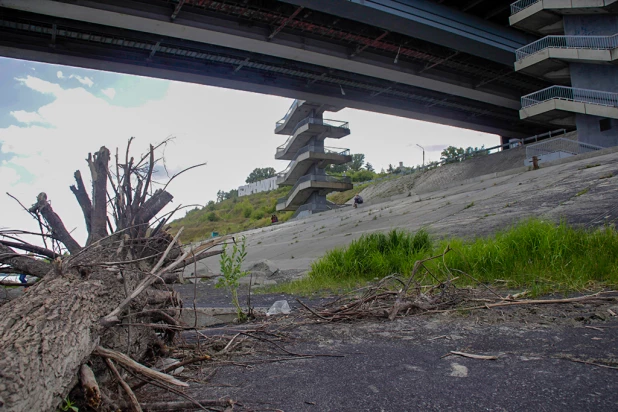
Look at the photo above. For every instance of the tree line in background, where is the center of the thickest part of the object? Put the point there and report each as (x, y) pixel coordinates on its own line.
(359, 170)
(457, 154)
(260, 173)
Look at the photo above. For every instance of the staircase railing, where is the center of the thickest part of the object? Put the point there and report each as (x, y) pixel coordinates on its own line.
(568, 42)
(521, 5)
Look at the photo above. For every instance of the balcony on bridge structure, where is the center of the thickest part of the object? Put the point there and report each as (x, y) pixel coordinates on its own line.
(308, 156)
(306, 130)
(559, 105)
(545, 16)
(550, 56)
(311, 185)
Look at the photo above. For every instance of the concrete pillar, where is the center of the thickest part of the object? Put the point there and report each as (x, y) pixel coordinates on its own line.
(600, 77)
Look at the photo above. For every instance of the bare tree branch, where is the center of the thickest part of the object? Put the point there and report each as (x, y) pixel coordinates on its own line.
(83, 199)
(181, 172)
(53, 220)
(30, 248)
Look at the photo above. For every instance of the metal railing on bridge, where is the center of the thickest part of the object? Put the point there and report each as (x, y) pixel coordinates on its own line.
(521, 5)
(559, 145)
(315, 178)
(568, 42)
(570, 94)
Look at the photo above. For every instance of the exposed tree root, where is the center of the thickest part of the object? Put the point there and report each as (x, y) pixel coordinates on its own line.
(96, 304)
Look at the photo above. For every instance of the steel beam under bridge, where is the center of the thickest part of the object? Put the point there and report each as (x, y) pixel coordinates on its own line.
(432, 22)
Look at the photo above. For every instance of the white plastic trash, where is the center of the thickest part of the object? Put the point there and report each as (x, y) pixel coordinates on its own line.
(278, 308)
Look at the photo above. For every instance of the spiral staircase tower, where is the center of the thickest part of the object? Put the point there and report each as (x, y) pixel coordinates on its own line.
(307, 129)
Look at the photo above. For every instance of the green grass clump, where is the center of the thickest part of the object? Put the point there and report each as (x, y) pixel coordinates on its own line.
(539, 256)
(371, 256)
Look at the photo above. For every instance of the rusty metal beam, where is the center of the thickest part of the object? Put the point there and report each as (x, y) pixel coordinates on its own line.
(177, 9)
(285, 22)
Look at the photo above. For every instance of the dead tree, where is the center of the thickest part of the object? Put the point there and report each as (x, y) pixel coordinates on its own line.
(102, 304)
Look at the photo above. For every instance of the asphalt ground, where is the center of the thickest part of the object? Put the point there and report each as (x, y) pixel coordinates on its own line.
(549, 358)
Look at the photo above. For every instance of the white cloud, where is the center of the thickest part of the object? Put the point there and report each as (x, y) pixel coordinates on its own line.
(86, 81)
(27, 117)
(39, 85)
(109, 92)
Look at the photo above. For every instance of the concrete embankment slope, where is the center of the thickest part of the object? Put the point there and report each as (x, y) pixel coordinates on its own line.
(446, 175)
(582, 191)
(506, 161)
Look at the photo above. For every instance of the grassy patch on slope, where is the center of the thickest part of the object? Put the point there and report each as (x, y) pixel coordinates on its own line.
(538, 256)
(231, 216)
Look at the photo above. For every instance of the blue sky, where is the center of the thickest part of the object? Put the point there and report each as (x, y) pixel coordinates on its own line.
(129, 91)
(51, 116)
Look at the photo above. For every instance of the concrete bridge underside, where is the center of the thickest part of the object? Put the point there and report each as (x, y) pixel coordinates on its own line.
(323, 54)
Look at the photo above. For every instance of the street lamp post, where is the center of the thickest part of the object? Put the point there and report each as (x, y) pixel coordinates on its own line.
(423, 153)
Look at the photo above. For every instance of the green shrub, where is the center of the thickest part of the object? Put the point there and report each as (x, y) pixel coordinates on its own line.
(212, 217)
(362, 175)
(541, 257)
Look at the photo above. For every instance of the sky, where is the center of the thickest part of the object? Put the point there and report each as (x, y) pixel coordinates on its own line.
(52, 116)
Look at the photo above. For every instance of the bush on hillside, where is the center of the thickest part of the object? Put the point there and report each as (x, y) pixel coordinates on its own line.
(362, 175)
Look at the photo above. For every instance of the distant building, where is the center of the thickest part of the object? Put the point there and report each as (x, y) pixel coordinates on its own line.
(265, 185)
